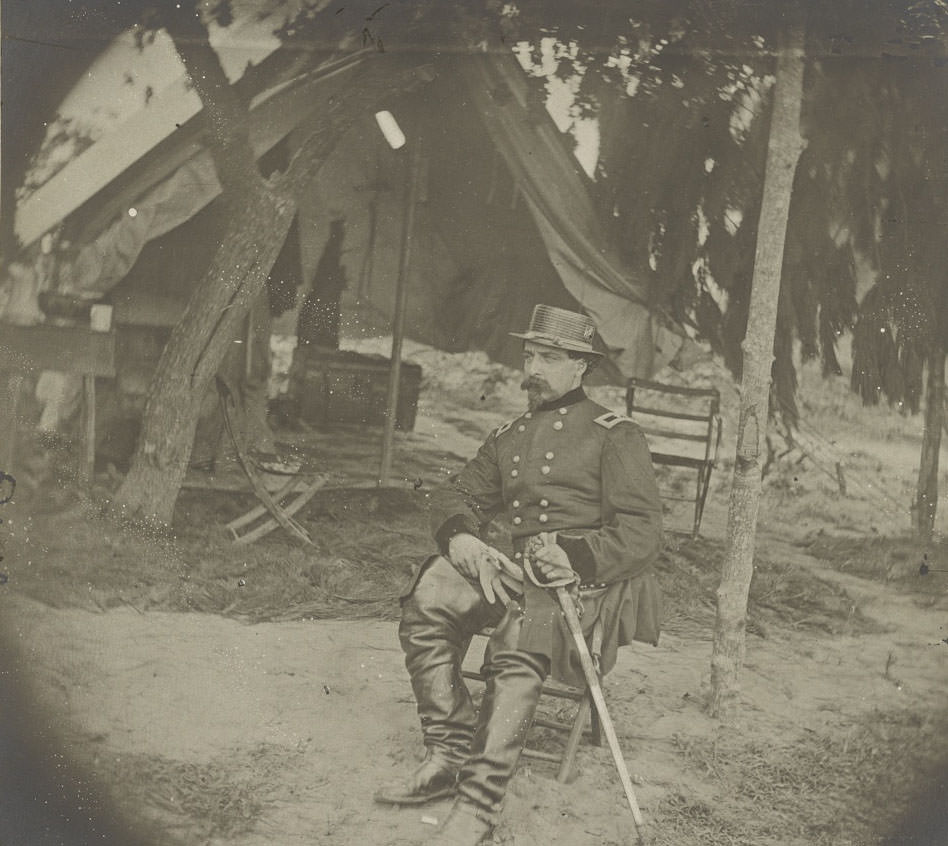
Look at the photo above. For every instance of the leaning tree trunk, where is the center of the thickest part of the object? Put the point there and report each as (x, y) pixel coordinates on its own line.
(193, 354)
(783, 152)
(258, 219)
(260, 213)
(926, 500)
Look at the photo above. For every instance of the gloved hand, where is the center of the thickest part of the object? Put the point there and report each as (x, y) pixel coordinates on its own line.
(489, 567)
(550, 565)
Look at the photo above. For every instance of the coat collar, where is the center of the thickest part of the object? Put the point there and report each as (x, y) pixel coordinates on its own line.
(569, 398)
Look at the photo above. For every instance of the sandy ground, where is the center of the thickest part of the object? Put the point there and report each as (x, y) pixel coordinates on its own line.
(210, 730)
(325, 713)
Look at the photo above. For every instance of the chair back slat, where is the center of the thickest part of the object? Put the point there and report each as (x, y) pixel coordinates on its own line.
(652, 432)
(679, 390)
(674, 415)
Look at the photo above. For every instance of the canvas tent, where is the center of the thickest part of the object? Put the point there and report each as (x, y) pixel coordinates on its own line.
(504, 221)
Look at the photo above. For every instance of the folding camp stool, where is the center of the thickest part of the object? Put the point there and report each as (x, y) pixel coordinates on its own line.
(574, 730)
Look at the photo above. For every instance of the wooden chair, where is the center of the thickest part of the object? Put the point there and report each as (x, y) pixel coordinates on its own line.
(574, 729)
(683, 429)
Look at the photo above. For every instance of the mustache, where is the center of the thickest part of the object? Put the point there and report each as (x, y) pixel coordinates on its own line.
(533, 383)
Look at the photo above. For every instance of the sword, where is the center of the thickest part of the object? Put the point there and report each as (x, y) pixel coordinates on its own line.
(595, 691)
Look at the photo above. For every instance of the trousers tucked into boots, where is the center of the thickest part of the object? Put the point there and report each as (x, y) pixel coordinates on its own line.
(439, 617)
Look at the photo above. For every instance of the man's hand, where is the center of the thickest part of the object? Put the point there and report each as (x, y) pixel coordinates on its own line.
(550, 561)
(477, 561)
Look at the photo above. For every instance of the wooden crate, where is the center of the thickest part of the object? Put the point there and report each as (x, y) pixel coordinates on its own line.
(348, 387)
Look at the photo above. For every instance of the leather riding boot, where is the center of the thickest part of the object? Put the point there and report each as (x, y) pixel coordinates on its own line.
(466, 825)
(435, 778)
(514, 681)
(439, 617)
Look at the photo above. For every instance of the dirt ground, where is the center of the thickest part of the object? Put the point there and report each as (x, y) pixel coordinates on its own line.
(211, 693)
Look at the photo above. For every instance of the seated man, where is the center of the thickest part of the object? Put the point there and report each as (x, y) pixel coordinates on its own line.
(579, 478)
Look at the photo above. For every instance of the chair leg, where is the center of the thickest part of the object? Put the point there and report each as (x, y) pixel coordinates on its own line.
(595, 725)
(585, 715)
(704, 479)
(572, 742)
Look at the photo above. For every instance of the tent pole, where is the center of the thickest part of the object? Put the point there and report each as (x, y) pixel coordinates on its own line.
(398, 319)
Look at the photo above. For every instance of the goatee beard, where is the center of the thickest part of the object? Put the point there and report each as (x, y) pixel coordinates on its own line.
(534, 389)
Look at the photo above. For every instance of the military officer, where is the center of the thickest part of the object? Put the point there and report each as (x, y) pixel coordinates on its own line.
(579, 478)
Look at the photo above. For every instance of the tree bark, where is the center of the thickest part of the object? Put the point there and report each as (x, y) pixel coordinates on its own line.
(926, 500)
(783, 152)
(260, 214)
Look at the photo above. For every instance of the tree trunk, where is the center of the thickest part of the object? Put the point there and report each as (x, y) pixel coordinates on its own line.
(194, 352)
(783, 152)
(260, 214)
(926, 501)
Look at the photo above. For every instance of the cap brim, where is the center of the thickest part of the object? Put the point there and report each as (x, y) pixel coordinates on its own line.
(556, 343)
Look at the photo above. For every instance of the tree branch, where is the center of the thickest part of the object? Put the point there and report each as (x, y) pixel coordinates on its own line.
(226, 117)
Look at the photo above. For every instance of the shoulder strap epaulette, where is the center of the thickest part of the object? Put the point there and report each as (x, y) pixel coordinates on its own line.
(611, 419)
(501, 429)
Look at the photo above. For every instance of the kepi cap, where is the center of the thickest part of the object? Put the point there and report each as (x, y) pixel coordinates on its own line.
(560, 328)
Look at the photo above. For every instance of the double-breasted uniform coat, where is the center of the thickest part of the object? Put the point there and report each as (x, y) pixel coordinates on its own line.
(578, 469)
(571, 467)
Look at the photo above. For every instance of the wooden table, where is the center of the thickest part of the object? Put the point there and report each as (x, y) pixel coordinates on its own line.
(67, 349)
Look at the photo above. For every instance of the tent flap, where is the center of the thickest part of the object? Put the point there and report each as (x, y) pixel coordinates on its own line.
(549, 178)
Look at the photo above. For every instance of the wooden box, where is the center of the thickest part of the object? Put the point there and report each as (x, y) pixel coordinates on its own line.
(348, 387)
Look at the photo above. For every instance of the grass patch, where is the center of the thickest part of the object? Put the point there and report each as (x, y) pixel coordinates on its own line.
(366, 544)
(781, 594)
(200, 802)
(905, 561)
(681, 819)
(818, 789)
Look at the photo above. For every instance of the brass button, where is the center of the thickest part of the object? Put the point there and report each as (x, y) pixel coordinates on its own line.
(562, 410)
(516, 459)
(558, 424)
(544, 503)
(549, 456)
(516, 503)
(515, 473)
(543, 518)
(518, 555)
(528, 415)
(517, 520)
(545, 469)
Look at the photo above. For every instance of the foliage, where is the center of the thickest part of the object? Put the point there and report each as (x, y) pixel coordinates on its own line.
(680, 90)
(681, 93)
(65, 140)
(905, 316)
